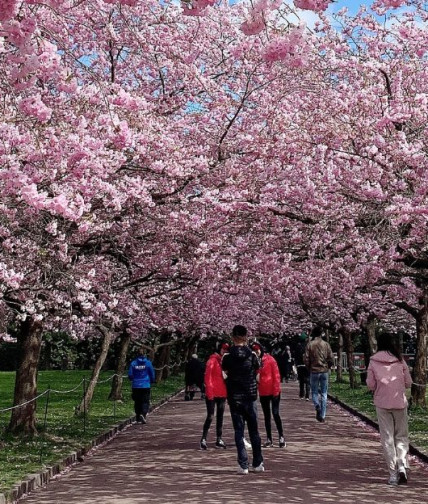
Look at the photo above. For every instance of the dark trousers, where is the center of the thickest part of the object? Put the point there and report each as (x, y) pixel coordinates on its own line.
(220, 403)
(241, 412)
(191, 390)
(303, 377)
(141, 398)
(267, 402)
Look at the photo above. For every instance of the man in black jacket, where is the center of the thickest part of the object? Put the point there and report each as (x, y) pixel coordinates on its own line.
(240, 366)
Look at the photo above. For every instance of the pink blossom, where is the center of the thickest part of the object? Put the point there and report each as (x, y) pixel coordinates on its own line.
(20, 32)
(34, 107)
(131, 3)
(388, 4)
(313, 5)
(196, 7)
(123, 137)
(33, 197)
(49, 60)
(8, 9)
(254, 25)
(290, 48)
(266, 5)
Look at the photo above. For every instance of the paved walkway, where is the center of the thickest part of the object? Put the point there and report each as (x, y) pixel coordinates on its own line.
(160, 463)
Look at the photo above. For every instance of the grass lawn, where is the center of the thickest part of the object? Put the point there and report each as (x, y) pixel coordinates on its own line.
(60, 432)
(361, 400)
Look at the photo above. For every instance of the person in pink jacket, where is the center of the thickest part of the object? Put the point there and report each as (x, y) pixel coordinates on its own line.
(388, 377)
(269, 388)
(215, 395)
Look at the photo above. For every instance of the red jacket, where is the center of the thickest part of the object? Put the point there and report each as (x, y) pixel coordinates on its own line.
(269, 377)
(214, 381)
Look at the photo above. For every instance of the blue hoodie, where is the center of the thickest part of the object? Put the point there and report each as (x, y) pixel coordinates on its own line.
(141, 372)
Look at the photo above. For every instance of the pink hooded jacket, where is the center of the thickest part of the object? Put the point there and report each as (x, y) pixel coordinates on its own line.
(388, 377)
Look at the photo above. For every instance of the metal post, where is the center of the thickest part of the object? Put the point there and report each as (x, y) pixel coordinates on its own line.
(46, 408)
(84, 405)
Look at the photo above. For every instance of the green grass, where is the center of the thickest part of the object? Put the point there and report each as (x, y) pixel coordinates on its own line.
(361, 400)
(60, 432)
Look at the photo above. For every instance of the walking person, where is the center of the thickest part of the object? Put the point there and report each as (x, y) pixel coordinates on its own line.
(194, 377)
(319, 360)
(269, 385)
(288, 363)
(388, 377)
(241, 366)
(215, 395)
(142, 375)
(302, 370)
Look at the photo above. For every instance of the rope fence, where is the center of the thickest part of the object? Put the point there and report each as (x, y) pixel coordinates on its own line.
(99, 382)
(81, 388)
(49, 423)
(83, 381)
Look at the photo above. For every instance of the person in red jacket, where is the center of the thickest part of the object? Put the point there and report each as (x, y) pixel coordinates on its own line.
(269, 393)
(215, 395)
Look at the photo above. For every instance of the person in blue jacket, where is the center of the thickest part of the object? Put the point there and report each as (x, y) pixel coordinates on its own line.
(142, 375)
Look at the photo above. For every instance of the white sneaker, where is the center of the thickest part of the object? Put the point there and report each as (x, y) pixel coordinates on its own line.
(259, 468)
(241, 470)
(247, 445)
(282, 443)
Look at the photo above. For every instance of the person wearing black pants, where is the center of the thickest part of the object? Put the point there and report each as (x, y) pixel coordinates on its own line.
(142, 375)
(141, 397)
(302, 370)
(269, 385)
(267, 403)
(240, 365)
(215, 396)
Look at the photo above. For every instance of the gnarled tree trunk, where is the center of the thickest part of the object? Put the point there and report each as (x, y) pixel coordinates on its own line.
(89, 393)
(23, 418)
(116, 386)
(162, 357)
(419, 369)
(349, 348)
(339, 369)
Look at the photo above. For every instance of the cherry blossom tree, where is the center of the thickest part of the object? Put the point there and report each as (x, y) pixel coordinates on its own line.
(192, 167)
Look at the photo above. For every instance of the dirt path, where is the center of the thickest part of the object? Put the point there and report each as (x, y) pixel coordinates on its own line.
(160, 463)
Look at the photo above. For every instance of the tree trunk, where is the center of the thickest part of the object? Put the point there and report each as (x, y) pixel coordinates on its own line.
(419, 369)
(86, 401)
(23, 419)
(349, 348)
(190, 347)
(162, 358)
(116, 386)
(371, 334)
(339, 369)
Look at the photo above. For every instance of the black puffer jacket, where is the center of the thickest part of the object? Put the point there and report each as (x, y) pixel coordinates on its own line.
(241, 365)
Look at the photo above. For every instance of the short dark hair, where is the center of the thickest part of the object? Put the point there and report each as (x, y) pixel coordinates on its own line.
(316, 331)
(239, 331)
